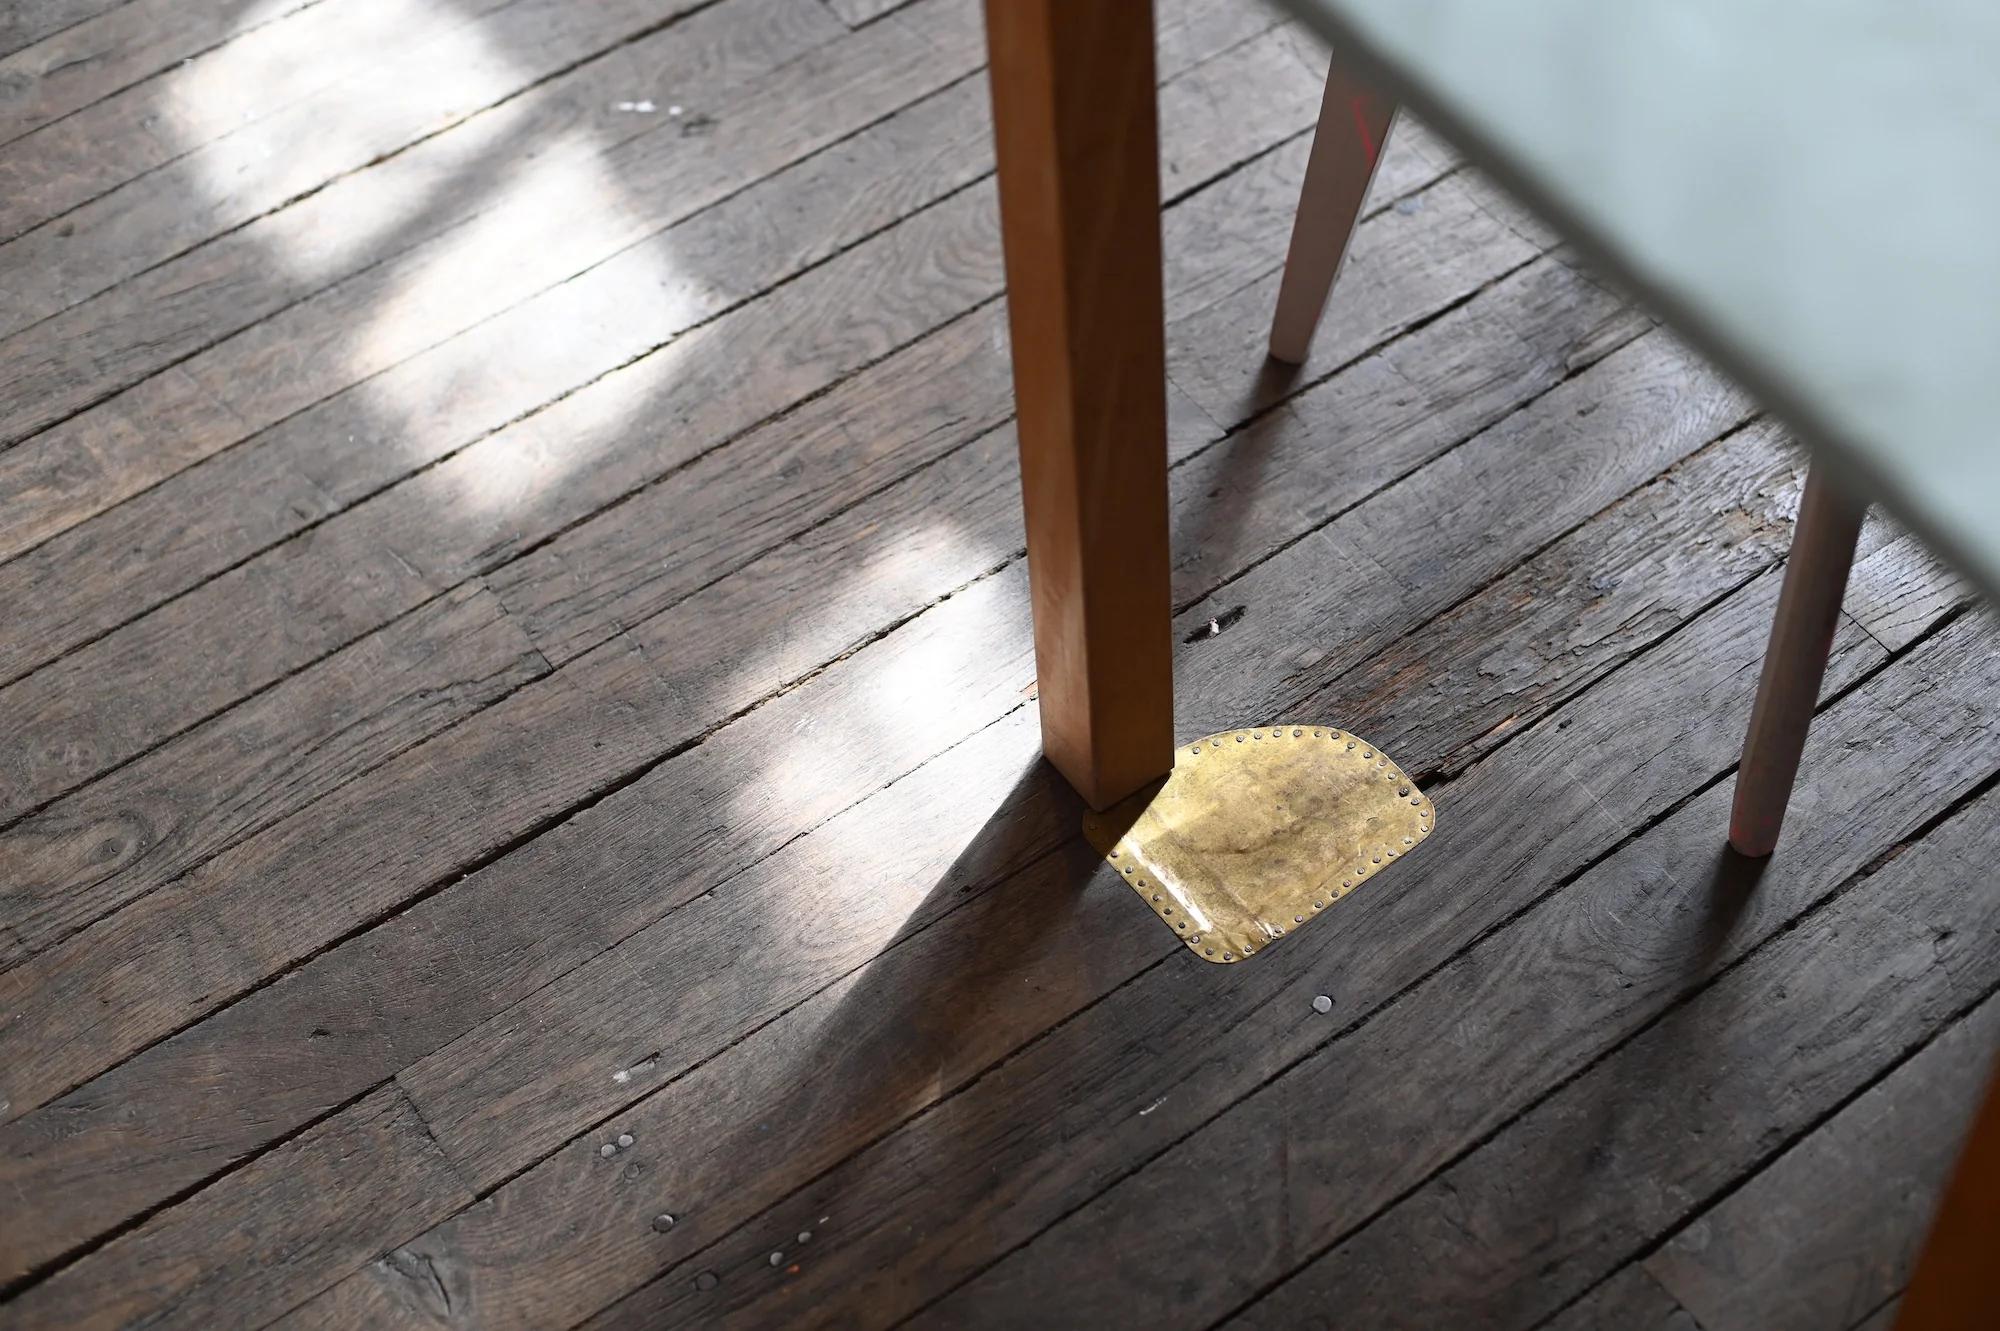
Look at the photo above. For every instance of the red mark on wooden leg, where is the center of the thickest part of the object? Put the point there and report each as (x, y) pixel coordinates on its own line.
(1359, 104)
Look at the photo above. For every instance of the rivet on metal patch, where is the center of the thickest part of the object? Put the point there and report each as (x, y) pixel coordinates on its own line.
(1255, 832)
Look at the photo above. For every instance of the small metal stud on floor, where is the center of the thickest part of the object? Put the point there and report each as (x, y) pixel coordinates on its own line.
(1249, 840)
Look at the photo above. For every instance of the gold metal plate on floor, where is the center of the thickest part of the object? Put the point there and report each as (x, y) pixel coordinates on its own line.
(1255, 832)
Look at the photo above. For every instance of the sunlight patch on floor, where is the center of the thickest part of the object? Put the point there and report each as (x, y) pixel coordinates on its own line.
(545, 207)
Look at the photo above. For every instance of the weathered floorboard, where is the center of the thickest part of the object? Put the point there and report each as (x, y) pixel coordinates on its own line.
(372, 840)
(1707, 1092)
(838, 414)
(29, 21)
(556, 224)
(206, 96)
(516, 636)
(371, 1170)
(113, 51)
(151, 821)
(985, 1169)
(237, 887)
(1830, 1229)
(679, 1129)
(398, 95)
(501, 494)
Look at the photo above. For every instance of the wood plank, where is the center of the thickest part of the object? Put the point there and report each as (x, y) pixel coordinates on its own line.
(800, 1120)
(175, 808)
(854, 13)
(576, 196)
(945, 260)
(466, 307)
(405, 94)
(1897, 591)
(458, 1088)
(1770, 1047)
(217, 94)
(1237, 388)
(322, 1197)
(31, 21)
(1377, 421)
(240, 888)
(603, 1018)
(585, 584)
(203, 782)
(1532, 1003)
(469, 514)
(1631, 1299)
(101, 56)
(1830, 1229)
(586, 149)
(329, 455)
(843, 414)
(991, 1180)
(243, 880)
(1883, 1318)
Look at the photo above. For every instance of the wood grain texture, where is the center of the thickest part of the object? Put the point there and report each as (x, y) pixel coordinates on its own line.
(1630, 1299)
(395, 808)
(849, 1260)
(944, 261)
(412, 93)
(1190, 1074)
(722, 253)
(1762, 1054)
(321, 1197)
(389, 826)
(576, 216)
(589, 151)
(34, 20)
(107, 54)
(610, 1012)
(206, 95)
(147, 823)
(393, 796)
(1829, 1230)
(718, 824)
(805, 1129)
(959, 560)
(441, 373)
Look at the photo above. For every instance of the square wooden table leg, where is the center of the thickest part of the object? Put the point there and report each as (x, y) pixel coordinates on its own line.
(1074, 111)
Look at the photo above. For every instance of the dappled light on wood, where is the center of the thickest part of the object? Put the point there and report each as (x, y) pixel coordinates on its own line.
(549, 205)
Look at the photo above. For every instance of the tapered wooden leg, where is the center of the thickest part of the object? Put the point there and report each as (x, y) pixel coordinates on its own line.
(1078, 156)
(1794, 662)
(1353, 126)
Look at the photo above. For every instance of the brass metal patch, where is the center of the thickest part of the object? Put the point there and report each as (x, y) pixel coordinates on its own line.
(1254, 832)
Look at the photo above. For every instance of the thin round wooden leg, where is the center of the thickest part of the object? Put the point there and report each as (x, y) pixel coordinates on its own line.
(1794, 663)
(1353, 126)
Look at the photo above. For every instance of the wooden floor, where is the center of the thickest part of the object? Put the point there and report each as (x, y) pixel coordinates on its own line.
(519, 803)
